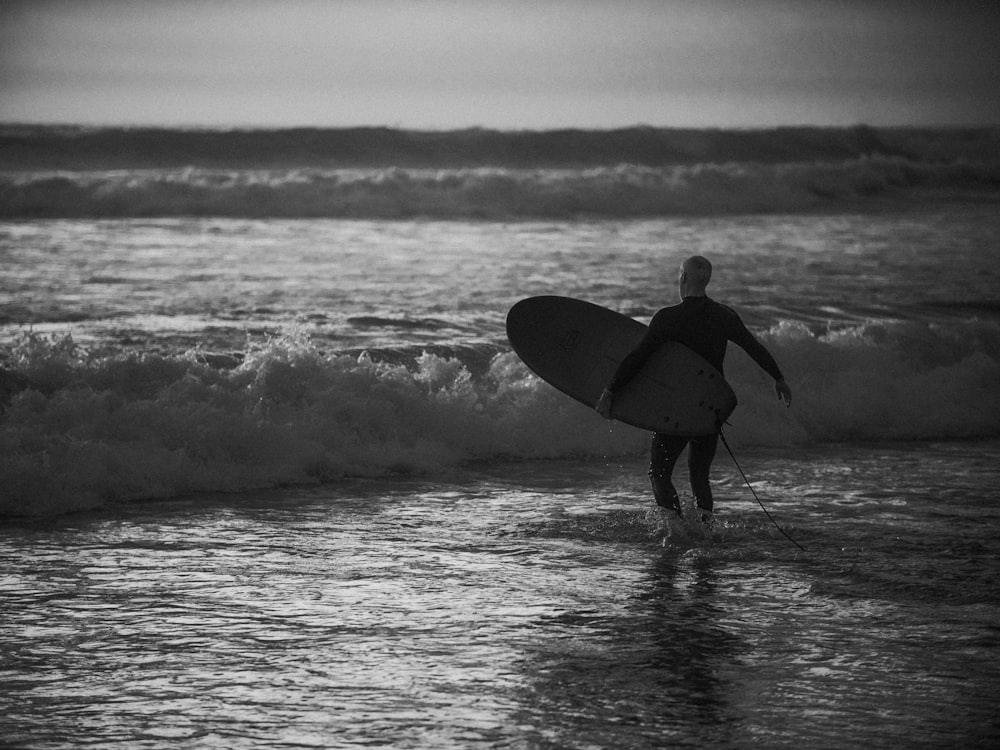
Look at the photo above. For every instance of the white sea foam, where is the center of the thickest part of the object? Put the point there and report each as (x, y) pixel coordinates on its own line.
(82, 431)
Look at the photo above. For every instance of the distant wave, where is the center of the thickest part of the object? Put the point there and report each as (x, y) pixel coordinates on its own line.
(78, 149)
(79, 431)
(620, 191)
(385, 173)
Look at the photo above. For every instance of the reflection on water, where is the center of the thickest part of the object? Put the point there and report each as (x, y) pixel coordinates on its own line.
(531, 608)
(648, 672)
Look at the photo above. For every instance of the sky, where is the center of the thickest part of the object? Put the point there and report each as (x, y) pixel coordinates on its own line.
(508, 64)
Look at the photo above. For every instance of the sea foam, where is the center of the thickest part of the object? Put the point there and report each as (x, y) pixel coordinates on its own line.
(80, 431)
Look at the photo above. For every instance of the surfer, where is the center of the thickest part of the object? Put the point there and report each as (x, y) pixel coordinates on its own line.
(705, 326)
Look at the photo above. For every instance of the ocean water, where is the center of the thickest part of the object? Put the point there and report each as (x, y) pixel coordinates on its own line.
(273, 478)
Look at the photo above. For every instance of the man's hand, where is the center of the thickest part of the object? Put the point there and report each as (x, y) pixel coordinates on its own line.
(603, 405)
(783, 391)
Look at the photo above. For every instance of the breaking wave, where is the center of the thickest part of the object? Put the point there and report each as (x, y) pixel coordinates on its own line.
(80, 431)
(385, 173)
(492, 193)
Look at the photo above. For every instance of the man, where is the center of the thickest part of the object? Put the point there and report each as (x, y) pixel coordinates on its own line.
(704, 326)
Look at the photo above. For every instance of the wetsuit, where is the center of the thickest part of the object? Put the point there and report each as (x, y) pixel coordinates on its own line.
(706, 327)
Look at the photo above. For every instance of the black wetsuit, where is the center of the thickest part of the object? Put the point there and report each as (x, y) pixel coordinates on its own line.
(706, 327)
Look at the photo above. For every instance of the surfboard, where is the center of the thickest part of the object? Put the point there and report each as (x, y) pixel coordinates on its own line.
(576, 346)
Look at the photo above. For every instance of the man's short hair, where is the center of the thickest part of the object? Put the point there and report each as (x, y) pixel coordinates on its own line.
(700, 268)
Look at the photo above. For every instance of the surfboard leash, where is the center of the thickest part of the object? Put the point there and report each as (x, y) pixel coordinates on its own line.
(752, 492)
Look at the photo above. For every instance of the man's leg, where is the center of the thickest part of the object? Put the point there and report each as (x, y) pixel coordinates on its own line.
(700, 457)
(663, 454)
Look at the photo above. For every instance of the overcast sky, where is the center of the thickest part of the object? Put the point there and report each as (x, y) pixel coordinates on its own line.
(504, 64)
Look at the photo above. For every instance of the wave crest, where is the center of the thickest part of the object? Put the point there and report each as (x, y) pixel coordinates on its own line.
(80, 431)
(621, 191)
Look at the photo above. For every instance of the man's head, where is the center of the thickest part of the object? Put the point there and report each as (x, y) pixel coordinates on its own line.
(696, 272)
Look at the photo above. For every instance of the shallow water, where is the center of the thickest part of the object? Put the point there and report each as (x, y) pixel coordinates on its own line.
(529, 605)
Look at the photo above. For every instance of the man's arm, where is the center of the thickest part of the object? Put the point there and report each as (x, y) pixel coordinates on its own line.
(783, 391)
(758, 353)
(627, 370)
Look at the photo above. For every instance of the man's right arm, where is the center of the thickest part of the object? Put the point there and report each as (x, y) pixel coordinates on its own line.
(628, 368)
